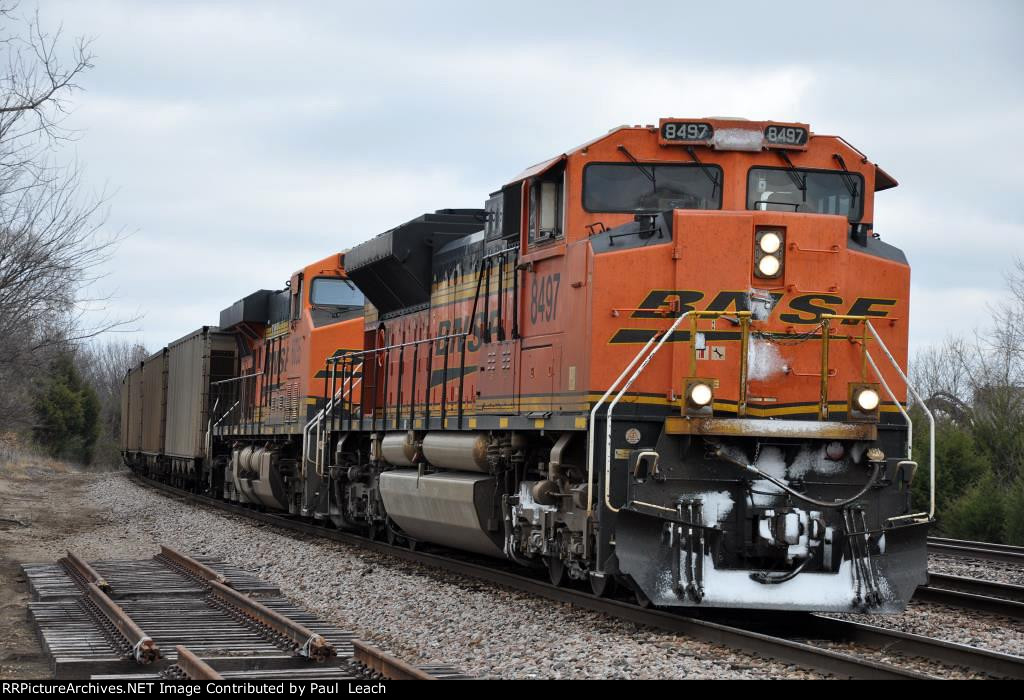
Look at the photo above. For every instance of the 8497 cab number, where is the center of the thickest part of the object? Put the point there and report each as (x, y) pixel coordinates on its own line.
(699, 132)
(785, 135)
(544, 297)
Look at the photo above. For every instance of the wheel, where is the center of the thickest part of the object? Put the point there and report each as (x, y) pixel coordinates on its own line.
(556, 571)
(602, 586)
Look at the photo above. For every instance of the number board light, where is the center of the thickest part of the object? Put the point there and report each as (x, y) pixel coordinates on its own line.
(680, 132)
(786, 136)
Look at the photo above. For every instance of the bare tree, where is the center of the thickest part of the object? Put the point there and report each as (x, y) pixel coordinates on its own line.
(104, 364)
(52, 240)
(978, 382)
(943, 374)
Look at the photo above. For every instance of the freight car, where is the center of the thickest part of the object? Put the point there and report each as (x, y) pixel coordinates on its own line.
(165, 407)
(669, 359)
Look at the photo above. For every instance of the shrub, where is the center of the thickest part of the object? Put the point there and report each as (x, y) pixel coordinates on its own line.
(1015, 513)
(980, 513)
(67, 413)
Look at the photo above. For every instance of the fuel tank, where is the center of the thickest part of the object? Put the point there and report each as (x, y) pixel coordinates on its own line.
(449, 508)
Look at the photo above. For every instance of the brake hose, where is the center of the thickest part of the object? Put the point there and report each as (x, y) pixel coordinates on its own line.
(721, 454)
(768, 578)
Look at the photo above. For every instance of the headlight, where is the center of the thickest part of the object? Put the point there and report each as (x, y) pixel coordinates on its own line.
(768, 265)
(867, 400)
(770, 242)
(700, 394)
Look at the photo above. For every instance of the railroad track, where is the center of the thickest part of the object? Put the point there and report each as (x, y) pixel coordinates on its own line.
(987, 551)
(790, 638)
(1004, 599)
(174, 617)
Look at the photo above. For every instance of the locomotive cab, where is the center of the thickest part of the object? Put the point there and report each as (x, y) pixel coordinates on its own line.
(284, 337)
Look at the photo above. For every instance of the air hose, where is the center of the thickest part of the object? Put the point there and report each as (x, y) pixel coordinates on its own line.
(723, 455)
(769, 578)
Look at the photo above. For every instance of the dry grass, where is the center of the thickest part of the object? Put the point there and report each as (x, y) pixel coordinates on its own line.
(18, 456)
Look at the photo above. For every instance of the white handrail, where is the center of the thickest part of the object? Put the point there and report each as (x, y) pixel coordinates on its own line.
(593, 423)
(611, 409)
(899, 405)
(318, 420)
(924, 407)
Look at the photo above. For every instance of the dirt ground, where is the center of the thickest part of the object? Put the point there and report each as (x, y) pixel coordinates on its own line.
(41, 513)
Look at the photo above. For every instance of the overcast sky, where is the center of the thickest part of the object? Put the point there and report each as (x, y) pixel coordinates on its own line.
(242, 140)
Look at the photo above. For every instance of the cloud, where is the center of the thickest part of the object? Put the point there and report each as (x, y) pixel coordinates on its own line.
(244, 139)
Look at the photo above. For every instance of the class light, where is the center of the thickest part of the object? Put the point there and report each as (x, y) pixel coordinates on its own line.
(770, 242)
(700, 394)
(867, 400)
(769, 266)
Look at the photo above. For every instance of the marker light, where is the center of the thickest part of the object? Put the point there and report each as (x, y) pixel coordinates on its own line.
(700, 394)
(769, 266)
(867, 400)
(770, 242)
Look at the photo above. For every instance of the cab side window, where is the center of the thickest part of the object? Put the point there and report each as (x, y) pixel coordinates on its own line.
(297, 300)
(546, 208)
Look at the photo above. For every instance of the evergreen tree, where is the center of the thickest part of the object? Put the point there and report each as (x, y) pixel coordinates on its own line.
(67, 413)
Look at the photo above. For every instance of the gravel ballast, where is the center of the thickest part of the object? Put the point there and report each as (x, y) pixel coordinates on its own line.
(418, 613)
(426, 615)
(998, 572)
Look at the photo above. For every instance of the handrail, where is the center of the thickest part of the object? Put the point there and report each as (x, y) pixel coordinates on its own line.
(899, 405)
(593, 423)
(924, 407)
(611, 408)
(345, 356)
(910, 387)
(237, 379)
(321, 416)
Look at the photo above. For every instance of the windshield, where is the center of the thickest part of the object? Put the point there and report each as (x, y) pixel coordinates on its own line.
(331, 291)
(625, 187)
(772, 189)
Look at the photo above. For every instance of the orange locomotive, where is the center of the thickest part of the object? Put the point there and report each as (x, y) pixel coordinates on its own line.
(669, 359)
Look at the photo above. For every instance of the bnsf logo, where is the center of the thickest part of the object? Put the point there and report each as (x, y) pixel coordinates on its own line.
(804, 309)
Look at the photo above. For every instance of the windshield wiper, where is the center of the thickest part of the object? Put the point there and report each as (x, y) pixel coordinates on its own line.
(794, 174)
(851, 184)
(708, 173)
(634, 161)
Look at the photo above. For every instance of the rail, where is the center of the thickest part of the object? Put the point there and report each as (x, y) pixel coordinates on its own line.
(387, 665)
(143, 649)
(192, 567)
(83, 570)
(193, 667)
(307, 642)
(988, 551)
